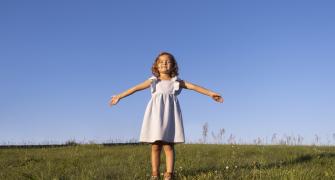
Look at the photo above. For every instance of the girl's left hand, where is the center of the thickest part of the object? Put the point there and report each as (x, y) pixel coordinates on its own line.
(114, 100)
(217, 97)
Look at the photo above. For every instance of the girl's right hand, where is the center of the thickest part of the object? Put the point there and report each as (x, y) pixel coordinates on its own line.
(114, 100)
(217, 97)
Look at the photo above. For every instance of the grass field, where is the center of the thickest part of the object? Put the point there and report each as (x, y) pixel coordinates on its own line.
(193, 161)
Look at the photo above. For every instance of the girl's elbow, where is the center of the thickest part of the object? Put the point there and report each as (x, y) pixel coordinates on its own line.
(134, 89)
(139, 88)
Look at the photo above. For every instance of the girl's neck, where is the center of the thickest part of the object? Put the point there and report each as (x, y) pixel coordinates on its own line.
(164, 76)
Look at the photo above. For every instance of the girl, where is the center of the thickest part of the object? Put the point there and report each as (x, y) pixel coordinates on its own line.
(162, 124)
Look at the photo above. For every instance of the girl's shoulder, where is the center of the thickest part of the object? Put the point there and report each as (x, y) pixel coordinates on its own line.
(176, 78)
(153, 79)
(179, 80)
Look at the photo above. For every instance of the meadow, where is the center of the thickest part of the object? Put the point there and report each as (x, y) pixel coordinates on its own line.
(193, 161)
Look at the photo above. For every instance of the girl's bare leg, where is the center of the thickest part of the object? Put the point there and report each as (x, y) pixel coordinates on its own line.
(170, 156)
(155, 157)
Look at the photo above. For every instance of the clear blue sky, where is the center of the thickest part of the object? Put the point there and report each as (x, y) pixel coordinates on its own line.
(60, 61)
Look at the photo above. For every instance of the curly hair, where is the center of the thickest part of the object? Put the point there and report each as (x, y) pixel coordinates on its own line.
(174, 69)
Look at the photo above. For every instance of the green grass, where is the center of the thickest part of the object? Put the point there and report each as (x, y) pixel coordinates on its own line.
(193, 161)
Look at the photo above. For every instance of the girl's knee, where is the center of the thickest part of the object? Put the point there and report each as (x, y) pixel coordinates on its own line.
(168, 147)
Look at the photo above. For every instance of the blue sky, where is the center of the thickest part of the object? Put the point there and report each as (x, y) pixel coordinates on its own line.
(60, 61)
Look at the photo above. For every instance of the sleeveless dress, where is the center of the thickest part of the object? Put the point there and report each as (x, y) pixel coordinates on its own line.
(163, 118)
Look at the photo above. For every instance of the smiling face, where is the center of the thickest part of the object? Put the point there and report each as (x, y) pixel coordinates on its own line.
(164, 64)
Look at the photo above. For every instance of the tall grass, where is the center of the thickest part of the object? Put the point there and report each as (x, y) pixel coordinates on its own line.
(193, 161)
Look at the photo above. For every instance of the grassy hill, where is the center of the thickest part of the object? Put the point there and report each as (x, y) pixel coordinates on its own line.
(193, 161)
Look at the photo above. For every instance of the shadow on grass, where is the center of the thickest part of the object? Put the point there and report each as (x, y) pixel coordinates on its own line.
(299, 160)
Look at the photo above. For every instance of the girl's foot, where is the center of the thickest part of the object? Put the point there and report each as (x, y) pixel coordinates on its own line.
(154, 176)
(168, 176)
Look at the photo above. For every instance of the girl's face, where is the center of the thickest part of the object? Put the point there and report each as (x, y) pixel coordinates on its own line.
(164, 64)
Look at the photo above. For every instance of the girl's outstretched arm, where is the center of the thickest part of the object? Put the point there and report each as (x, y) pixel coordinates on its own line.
(187, 85)
(115, 99)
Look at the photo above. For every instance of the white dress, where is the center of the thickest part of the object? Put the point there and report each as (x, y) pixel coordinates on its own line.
(162, 118)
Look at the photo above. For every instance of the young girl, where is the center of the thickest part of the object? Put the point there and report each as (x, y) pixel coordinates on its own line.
(162, 124)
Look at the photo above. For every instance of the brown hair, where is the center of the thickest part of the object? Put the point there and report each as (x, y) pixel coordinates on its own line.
(174, 70)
